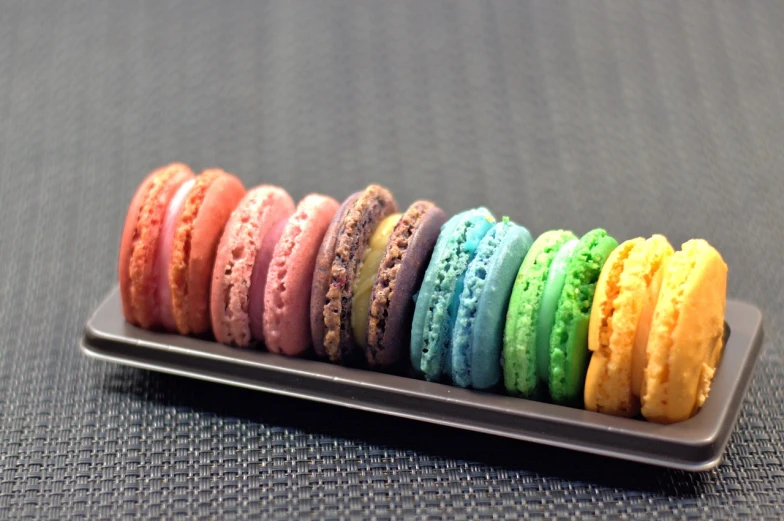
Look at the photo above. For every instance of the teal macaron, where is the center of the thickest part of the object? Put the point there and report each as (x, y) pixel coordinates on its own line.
(478, 329)
(438, 299)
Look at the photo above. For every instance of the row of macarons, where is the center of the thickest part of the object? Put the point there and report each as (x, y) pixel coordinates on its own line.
(469, 300)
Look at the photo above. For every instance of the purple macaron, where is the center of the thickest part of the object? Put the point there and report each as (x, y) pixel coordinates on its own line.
(400, 274)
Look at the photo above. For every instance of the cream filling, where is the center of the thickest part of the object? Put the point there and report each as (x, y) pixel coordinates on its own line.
(368, 270)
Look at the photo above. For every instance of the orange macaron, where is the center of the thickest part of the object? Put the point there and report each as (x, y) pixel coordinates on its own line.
(656, 330)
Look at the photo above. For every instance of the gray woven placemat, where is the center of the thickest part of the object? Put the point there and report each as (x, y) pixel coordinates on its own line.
(641, 117)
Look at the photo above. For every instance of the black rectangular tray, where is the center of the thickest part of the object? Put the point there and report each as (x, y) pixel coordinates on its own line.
(693, 445)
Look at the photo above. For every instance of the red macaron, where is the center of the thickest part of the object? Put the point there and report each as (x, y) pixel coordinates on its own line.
(169, 243)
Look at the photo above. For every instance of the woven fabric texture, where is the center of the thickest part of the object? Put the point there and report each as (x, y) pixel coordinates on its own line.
(636, 116)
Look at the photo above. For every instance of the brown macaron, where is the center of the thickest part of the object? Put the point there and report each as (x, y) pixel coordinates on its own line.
(337, 265)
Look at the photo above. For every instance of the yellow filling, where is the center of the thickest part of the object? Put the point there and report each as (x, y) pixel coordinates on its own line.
(363, 284)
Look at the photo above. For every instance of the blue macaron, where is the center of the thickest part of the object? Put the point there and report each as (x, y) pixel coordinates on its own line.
(477, 334)
(439, 296)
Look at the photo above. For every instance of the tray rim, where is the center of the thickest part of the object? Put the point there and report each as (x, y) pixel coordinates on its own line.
(707, 433)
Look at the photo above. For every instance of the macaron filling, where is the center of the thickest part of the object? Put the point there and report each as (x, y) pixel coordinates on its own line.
(556, 278)
(366, 276)
(164, 256)
(258, 278)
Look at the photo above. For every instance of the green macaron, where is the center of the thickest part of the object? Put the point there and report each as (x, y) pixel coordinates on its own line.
(545, 339)
(522, 317)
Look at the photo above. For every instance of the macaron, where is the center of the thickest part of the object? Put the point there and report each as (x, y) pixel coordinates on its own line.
(191, 232)
(559, 345)
(521, 370)
(437, 301)
(242, 261)
(569, 353)
(386, 287)
(621, 293)
(686, 333)
(286, 315)
(478, 331)
(337, 266)
(139, 244)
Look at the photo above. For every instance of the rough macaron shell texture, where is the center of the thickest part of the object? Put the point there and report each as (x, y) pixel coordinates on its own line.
(205, 211)
(290, 276)
(371, 207)
(553, 289)
(400, 274)
(603, 368)
(616, 320)
(686, 335)
(322, 275)
(569, 353)
(139, 243)
(438, 298)
(258, 211)
(519, 346)
(478, 330)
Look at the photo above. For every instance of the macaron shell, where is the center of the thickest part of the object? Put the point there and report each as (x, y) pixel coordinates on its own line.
(290, 276)
(490, 319)
(615, 315)
(207, 207)
(478, 331)
(643, 333)
(371, 207)
(686, 337)
(425, 296)
(600, 386)
(569, 338)
(258, 211)
(442, 287)
(322, 275)
(139, 243)
(519, 344)
(399, 277)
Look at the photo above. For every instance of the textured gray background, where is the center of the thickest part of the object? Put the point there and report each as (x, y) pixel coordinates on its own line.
(641, 117)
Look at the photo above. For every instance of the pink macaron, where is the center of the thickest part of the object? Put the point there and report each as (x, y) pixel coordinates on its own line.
(286, 308)
(238, 263)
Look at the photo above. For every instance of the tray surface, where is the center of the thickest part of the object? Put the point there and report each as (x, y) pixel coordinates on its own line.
(695, 445)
